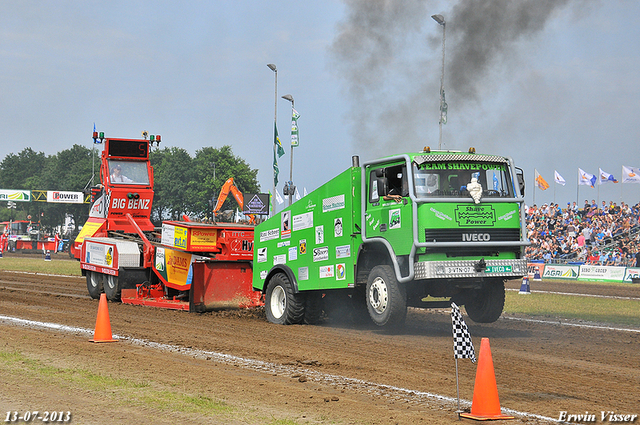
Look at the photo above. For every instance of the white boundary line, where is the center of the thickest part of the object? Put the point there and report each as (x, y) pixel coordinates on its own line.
(381, 390)
(582, 295)
(575, 325)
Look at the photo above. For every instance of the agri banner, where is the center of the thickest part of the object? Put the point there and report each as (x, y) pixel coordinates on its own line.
(560, 271)
(15, 195)
(65, 197)
(631, 274)
(601, 273)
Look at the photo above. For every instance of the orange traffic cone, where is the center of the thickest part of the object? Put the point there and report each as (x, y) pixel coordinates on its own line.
(102, 332)
(486, 404)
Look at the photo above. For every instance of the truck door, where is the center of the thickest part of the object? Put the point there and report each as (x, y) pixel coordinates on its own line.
(388, 213)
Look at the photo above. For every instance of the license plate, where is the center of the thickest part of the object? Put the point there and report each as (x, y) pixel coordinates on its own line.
(498, 269)
(459, 270)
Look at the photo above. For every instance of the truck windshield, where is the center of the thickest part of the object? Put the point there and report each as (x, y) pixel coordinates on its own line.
(450, 179)
(128, 172)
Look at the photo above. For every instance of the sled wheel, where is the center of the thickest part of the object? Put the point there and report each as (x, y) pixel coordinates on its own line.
(94, 284)
(112, 287)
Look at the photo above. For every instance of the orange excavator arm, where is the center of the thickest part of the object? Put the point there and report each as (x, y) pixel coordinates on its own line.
(224, 192)
(229, 186)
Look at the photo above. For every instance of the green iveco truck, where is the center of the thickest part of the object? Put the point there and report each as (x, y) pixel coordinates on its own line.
(406, 230)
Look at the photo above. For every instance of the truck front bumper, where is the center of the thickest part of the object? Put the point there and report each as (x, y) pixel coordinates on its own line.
(470, 268)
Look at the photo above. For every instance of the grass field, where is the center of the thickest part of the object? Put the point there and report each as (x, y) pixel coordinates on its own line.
(59, 264)
(543, 305)
(591, 309)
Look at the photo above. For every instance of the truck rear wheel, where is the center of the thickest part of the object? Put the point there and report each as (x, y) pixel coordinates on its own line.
(112, 287)
(94, 284)
(386, 298)
(485, 305)
(282, 305)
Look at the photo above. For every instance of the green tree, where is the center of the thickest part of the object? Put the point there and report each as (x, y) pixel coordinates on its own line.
(227, 165)
(21, 171)
(68, 170)
(174, 179)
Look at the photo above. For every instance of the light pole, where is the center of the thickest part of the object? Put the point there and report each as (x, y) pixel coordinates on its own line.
(290, 184)
(440, 20)
(275, 118)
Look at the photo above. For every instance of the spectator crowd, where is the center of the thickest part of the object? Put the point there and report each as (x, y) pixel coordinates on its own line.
(605, 234)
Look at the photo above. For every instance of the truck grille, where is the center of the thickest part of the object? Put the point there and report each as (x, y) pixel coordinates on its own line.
(471, 235)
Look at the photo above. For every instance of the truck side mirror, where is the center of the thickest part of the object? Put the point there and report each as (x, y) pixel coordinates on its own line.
(520, 178)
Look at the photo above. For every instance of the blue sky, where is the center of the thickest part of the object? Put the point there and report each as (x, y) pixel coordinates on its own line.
(555, 88)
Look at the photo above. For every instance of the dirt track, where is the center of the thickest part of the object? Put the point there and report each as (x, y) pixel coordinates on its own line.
(313, 374)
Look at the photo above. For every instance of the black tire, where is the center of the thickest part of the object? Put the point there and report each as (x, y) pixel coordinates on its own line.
(485, 305)
(312, 308)
(386, 298)
(112, 287)
(282, 305)
(95, 284)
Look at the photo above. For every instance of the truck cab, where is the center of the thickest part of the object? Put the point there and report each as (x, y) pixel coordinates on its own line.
(448, 225)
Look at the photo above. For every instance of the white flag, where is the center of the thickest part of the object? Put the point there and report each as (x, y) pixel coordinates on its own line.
(585, 178)
(305, 191)
(605, 177)
(279, 198)
(630, 174)
(297, 194)
(559, 178)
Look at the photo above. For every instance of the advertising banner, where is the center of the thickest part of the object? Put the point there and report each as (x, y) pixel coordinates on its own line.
(558, 271)
(535, 270)
(601, 273)
(15, 195)
(65, 197)
(631, 274)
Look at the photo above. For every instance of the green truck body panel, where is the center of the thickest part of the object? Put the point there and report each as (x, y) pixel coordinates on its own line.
(316, 238)
(435, 230)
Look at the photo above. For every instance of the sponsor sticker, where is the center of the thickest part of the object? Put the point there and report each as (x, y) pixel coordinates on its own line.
(285, 224)
(280, 259)
(302, 221)
(268, 235)
(293, 253)
(160, 259)
(319, 234)
(327, 271)
(333, 203)
(337, 227)
(262, 255)
(303, 246)
(343, 251)
(341, 272)
(303, 273)
(394, 219)
(498, 269)
(321, 253)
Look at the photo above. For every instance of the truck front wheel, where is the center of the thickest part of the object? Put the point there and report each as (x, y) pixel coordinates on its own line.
(485, 305)
(94, 284)
(386, 298)
(112, 287)
(282, 305)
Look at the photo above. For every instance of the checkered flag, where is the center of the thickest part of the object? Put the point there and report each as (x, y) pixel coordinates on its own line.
(462, 343)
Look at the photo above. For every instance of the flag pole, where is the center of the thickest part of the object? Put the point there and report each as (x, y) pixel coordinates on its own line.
(534, 186)
(458, 390)
(275, 126)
